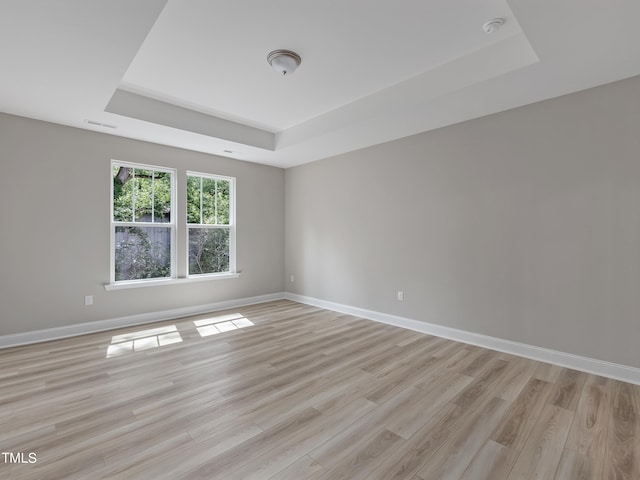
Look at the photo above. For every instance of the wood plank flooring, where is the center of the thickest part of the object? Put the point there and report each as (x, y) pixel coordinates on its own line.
(283, 390)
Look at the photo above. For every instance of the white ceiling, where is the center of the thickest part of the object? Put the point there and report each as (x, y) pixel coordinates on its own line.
(212, 55)
(193, 73)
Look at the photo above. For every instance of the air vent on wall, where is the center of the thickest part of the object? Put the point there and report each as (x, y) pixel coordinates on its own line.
(232, 152)
(100, 124)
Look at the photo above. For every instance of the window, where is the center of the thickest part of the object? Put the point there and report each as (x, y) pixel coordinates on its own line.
(145, 233)
(210, 224)
(142, 222)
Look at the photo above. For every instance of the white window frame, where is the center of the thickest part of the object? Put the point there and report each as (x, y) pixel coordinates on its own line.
(232, 227)
(171, 225)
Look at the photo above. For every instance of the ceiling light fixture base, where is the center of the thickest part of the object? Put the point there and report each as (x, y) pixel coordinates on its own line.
(285, 62)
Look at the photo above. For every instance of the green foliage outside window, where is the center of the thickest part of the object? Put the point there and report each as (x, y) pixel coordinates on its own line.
(142, 253)
(141, 195)
(208, 250)
(208, 201)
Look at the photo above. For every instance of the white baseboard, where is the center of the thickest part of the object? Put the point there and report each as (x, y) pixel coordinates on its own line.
(576, 362)
(37, 336)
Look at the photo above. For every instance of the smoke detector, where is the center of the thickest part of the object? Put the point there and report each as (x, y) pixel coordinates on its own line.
(493, 25)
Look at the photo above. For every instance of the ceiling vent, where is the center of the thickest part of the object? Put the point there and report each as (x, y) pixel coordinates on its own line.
(100, 124)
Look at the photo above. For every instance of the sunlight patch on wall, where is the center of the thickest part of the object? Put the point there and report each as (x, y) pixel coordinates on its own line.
(143, 340)
(221, 323)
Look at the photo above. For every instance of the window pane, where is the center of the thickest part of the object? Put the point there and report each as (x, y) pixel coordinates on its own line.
(122, 194)
(223, 202)
(142, 252)
(208, 250)
(193, 199)
(162, 197)
(209, 212)
(142, 191)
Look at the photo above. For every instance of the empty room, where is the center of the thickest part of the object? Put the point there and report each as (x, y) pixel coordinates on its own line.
(320, 240)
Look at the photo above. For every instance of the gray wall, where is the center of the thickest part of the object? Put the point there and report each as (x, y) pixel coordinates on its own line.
(54, 227)
(524, 225)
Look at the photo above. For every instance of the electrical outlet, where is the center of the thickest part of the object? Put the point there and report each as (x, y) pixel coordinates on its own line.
(88, 300)
(292, 279)
(400, 296)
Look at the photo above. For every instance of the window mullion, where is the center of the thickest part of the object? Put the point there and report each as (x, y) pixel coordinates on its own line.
(133, 194)
(153, 196)
(201, 180)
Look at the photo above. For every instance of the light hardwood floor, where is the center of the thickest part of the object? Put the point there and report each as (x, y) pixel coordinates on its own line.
(288, 391)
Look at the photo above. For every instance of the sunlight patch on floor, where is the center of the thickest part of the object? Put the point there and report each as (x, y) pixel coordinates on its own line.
(221, 323)
(143, 340)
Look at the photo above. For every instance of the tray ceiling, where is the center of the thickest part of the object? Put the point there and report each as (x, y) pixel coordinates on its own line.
(193, 73)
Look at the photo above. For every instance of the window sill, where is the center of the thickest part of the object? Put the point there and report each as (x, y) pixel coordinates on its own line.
(168, 281)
